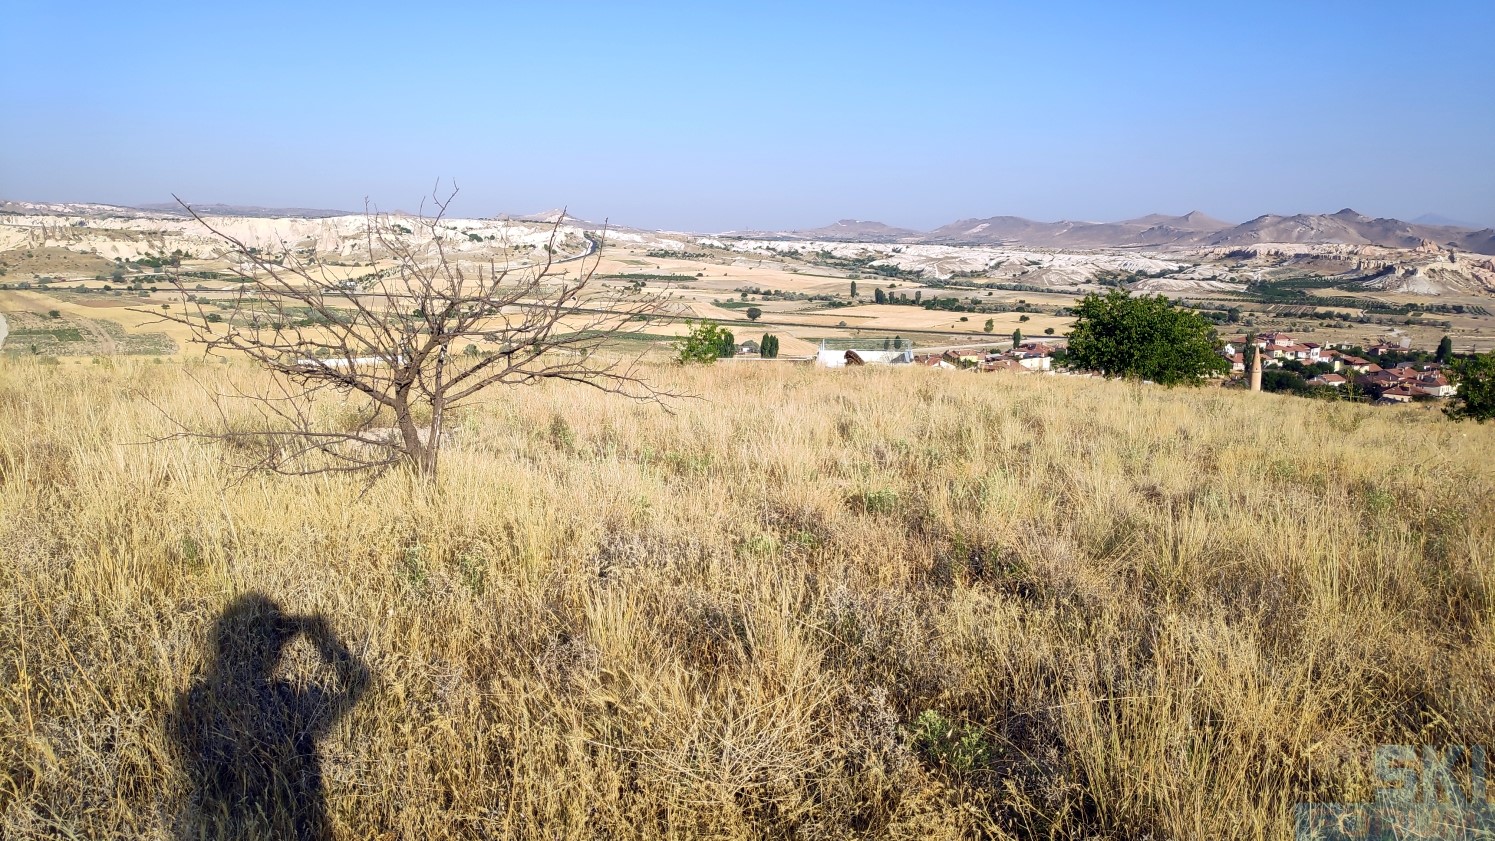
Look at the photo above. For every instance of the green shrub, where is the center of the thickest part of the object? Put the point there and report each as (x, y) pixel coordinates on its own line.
(942, 743)
(879, 501)
(706, 342)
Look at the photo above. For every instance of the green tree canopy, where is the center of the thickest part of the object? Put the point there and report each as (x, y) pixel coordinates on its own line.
(706, 342)
(753, 313)
(1475, 377)
(1445, 350)
(1143, 337)
(768, 348)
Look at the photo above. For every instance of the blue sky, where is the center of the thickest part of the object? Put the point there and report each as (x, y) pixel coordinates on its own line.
(758, 115)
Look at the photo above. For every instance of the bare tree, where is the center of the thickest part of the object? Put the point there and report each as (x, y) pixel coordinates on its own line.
(388, 341)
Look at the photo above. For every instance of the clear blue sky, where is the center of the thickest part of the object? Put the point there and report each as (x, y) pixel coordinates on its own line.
(712, 116)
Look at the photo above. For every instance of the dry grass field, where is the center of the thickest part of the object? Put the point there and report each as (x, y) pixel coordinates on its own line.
(856, 604)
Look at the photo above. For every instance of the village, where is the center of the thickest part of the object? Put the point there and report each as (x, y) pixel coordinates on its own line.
(1340, 367)
(1311, 367)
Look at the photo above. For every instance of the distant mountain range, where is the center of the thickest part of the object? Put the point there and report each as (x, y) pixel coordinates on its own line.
(244, 210)
(1193, 229)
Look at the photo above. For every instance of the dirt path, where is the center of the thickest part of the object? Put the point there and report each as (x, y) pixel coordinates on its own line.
(106, 341)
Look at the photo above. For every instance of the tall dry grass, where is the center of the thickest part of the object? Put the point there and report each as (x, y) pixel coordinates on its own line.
(874, 603)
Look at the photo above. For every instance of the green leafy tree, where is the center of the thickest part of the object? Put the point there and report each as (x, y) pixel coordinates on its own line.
(1475, 377)
(1233, 315)
(1445, 350)
(879, 296)
(990, 325)
(853, 289)
(1145, 338)
(1017, 337)
(753, 313)
(897, 343)
(1048, 331)
(706, 342)
(768, 348)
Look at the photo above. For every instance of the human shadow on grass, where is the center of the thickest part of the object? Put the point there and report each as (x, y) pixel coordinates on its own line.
(247, 736)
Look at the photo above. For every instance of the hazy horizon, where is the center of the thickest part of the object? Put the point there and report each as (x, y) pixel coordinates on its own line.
(763, 116)
(623, 223)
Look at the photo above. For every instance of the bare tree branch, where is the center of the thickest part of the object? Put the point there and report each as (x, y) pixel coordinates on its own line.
(387, 341)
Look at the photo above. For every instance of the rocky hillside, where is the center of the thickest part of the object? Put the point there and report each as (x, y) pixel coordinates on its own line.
(1152, 230)
(109, 233)
(1348, 228)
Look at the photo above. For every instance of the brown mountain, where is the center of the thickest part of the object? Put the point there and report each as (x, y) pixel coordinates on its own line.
(1196, 229)
(1155, 229)
(1194, 220)
(857, 230)
(1351, 228)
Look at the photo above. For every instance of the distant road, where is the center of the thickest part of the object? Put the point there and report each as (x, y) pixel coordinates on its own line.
(591, 247)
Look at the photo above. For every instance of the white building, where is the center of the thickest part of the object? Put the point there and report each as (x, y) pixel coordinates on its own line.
(830, 358)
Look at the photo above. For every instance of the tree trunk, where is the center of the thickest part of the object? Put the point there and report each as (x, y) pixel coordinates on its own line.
(418, 454)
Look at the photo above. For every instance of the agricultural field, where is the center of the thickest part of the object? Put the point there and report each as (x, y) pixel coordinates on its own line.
(70, 329)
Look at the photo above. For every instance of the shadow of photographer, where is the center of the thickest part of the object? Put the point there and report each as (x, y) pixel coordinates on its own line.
(247, 737)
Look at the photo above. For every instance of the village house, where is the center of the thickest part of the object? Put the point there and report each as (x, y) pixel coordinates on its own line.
(932, 360)
(1275, 348)
(1332, 358)
(1398, 394)
(1407, 381)
(1035, 356)
(1437, 385)
(1002, 365)
(1383, 348)
(1028, 356)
